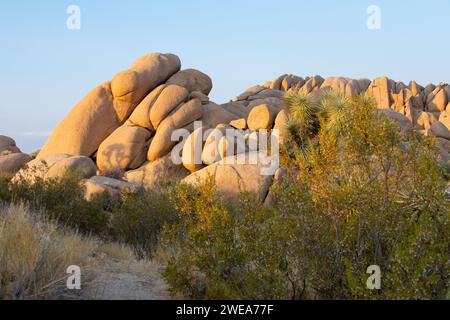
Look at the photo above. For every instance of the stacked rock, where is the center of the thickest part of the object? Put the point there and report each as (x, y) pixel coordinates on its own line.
(124, 127)
(109, 105)
(426, 108)
(146, 135)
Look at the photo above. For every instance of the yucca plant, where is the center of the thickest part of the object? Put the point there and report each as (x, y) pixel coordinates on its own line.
(334, 111)
(303, 110)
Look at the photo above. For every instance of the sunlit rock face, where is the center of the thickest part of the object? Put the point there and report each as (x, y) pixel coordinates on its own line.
(124, 128)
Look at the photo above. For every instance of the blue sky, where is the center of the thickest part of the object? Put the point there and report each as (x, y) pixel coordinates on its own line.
(45, 68)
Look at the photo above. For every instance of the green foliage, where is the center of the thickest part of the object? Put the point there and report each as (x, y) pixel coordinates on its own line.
(334, 111)
(139, 220)
(61, 200)
(200, 250)
(359, 192)
(136, 221)
(304, 111)
(445, 169)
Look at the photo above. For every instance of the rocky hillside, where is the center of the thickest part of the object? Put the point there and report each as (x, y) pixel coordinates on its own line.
(119, 136)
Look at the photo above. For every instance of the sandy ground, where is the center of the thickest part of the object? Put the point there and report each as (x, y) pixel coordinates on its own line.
(115, 279)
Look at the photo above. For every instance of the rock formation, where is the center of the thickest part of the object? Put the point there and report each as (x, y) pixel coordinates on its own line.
(11, 158)
(56, 166)
(125, 127)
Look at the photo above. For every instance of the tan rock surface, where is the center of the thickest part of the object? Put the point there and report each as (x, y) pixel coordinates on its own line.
(192, 80)
(131, 86)
(56, 166)
(169, 99)
(261, 117)
(152, 172)
(125, 149)
(437, 100)
(90, 122)
(380, 89)
(141, 115)
(239, 124)
(192, 151)
(97, 186)
(162, 142)
(210, 152)
(231, 178)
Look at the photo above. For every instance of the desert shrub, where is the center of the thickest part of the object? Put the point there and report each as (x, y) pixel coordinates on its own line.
(35, 253)
(136, 220)
(5, 194)
(139, 220)
(360, 194)
(445, 169)
(198, 249)
(59, 199)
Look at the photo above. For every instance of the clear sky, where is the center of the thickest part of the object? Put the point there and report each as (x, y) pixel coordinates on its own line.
(46, 68)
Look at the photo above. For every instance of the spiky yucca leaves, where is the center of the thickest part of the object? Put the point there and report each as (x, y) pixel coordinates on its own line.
(308, 118)
(334, 112)
(303, 110)
(292, 128)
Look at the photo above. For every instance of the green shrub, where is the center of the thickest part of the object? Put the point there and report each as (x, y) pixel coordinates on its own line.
(139, 220)
(136, 221)
(365, 194)
(61, 200)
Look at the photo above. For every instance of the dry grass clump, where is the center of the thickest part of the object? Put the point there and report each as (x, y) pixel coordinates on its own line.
(35, 254)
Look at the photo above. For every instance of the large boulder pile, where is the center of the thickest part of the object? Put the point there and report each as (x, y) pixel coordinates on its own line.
(109, 105)
(124, 128)
(426, 108)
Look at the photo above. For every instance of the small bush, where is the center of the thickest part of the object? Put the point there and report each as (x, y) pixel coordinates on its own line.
(139, 220)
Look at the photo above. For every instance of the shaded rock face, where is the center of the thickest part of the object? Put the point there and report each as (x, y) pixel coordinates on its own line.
(125, 149)
(11, 158)
(11, 163)
(126, 125)
(8, 145)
